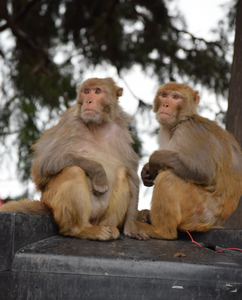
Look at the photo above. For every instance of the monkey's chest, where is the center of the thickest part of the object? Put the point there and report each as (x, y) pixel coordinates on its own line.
(106, 154)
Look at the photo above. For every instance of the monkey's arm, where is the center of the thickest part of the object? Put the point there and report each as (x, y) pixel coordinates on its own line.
(130, 226)
(44, 169)
(184, 167)
(195, 152)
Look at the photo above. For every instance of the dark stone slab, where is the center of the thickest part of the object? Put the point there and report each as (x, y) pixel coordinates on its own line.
(20, 229)
(42, 286)
(223, 238)
(39, 264)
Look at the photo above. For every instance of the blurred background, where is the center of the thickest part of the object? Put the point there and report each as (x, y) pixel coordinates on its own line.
(49, 47)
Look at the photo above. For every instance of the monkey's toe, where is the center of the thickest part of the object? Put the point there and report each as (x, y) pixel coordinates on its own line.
(108, 233)
(138, 236)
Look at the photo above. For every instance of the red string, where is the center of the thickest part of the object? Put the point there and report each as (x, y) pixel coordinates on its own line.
(216, 250)
(228, 249)
(193, 239)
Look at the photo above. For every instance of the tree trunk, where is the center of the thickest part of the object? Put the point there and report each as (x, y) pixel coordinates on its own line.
(234, 114)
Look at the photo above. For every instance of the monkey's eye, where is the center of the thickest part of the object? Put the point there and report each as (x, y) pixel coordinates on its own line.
(86, 91)
(176, 96)
(164, 95)
(98, 91)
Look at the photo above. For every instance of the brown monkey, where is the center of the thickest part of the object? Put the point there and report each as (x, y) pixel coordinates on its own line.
(86, 169)
(197, 173)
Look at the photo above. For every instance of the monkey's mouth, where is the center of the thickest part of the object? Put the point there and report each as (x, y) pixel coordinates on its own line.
(90, 111)
(164, 114)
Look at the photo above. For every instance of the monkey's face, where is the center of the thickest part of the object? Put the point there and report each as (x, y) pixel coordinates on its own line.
(97, 100)
(95, 104)
(168, 104)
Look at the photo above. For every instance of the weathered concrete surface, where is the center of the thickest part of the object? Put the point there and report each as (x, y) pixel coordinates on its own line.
(37, 263)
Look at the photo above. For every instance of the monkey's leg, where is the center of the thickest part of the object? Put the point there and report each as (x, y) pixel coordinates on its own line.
(177, 204)
(201, 209)
(68, 196)
(165, 213)
(118, 202)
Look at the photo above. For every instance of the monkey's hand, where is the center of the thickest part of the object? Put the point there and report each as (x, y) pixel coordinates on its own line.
(155, 164)
(146, 177)
(99, 182)
(131, 230)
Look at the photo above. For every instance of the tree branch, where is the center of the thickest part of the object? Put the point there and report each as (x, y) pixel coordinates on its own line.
(198, 39)
(106, 17)
(19, 16)
(20, 34)
(8, 133)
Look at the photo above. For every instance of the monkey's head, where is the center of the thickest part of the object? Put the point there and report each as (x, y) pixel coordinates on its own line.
(97, 100)
(175, 102)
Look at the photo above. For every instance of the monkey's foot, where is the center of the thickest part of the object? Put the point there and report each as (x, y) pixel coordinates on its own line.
(144, 216)
(157, 233)
(133, 231)
(138, 236)
(101, 233)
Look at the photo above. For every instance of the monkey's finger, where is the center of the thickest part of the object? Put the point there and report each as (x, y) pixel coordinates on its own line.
(145, 172)
(148, 182)
(99, 189)
(146, 176)
(153, 174)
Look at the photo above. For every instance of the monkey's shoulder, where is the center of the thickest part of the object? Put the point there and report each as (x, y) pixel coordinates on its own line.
(203, 134)
(199, 124)
(208, 135)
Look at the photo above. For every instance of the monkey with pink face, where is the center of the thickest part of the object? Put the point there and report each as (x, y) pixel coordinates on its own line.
(197, 173)
(86, 168)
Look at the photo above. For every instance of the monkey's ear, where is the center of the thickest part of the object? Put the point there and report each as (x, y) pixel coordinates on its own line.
(119, 92)
(196, 97)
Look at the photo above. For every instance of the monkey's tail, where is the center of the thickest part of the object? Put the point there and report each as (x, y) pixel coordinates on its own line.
(26, 205)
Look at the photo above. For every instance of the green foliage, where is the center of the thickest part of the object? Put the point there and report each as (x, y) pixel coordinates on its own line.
(117, 32)
(232, 13)
(137, 145)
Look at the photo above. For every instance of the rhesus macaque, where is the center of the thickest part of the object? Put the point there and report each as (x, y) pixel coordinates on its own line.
(197, 173)
(86, 169)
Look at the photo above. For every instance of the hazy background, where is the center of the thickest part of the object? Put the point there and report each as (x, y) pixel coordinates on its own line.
(201, 17)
